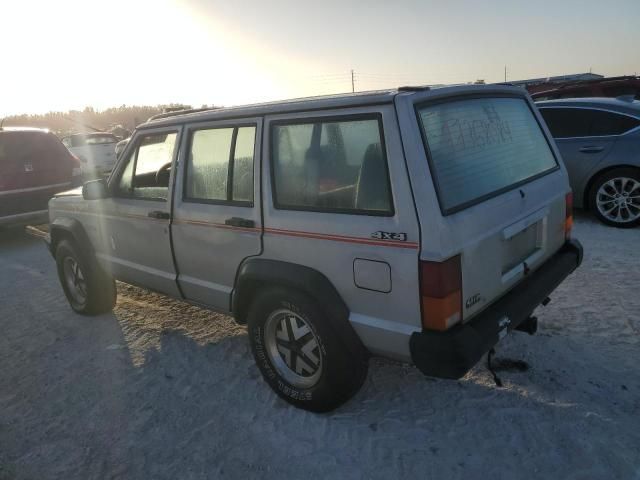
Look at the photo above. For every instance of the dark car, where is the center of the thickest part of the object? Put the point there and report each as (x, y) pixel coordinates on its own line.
(611, 87)
(34, 165)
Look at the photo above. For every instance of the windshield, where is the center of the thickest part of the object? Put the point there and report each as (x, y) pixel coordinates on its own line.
(480, 147)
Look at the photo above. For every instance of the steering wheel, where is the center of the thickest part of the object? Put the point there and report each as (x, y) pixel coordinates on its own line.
(163, 174)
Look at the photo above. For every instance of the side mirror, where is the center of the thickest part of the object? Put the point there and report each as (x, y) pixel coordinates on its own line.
(95, 190)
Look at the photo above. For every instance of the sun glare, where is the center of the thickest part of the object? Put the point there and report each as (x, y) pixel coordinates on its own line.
(143, 52)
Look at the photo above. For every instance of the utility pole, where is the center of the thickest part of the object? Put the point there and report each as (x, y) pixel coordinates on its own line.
(505, 74)
(353, 83)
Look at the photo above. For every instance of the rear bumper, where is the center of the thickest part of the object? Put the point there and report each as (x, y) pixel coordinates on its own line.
(452, 353)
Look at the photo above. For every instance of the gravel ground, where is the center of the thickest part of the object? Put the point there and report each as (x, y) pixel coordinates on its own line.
(161, 389)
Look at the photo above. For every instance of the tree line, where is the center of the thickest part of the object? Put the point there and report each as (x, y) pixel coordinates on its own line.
(118, 120)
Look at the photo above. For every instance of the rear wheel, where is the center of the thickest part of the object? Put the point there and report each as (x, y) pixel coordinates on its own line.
(89, 290)
(615, 198)
(300, 355)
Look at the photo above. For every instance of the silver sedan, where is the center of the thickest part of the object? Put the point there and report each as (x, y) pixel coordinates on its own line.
(599, 139)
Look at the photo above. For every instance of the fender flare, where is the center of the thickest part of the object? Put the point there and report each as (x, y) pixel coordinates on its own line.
(65, 227)
(256, 273)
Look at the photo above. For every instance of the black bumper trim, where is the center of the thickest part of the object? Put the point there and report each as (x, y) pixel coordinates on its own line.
(453, 353)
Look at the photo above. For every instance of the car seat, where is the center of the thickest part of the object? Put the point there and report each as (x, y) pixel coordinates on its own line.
(372, 188)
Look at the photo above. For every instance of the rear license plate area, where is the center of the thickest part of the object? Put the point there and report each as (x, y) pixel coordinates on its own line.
(523, 245)
(520, 247)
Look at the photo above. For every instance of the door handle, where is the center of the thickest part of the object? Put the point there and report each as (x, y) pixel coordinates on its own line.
(159, 215)
(591, 149)
(240, 222)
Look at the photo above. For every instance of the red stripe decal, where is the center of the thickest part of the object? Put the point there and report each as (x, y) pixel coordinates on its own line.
(342, 238)
(216, 225)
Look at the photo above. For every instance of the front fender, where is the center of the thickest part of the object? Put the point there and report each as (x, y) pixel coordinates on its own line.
(67, 227)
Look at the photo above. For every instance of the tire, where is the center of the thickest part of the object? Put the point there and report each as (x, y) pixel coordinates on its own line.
(317, 386)
(88, 288)
(619, 185)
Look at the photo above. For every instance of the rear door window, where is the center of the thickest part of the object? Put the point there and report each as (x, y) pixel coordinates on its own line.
(608, 123)
(220, 165)
(586, 122)
(566, 122)
(480, 147)
(336, 166)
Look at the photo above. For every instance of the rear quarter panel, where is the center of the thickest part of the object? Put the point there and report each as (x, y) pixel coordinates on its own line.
(624, 153)
(330, 243)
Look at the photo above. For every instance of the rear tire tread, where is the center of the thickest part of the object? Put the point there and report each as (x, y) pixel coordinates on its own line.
(345, 364)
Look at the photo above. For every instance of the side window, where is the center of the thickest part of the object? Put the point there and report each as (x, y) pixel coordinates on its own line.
(220, 165)
(208, 164)
(243, 165)
(148, 167)
(335, 166)
(609, 123)
(566, 122)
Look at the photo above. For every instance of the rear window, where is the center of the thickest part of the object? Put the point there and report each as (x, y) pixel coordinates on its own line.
(20, 147)
(481, 147)
(82, 140)
(101, 139)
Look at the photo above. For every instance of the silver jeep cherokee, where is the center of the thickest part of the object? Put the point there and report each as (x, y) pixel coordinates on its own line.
(418, 224)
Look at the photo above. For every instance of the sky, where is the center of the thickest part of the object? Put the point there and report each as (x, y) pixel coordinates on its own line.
(70, 54)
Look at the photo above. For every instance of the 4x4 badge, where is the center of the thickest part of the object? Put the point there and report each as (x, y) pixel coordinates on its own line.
(398, 237)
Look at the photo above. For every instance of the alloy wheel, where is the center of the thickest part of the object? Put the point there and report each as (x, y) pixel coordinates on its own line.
(618, 200)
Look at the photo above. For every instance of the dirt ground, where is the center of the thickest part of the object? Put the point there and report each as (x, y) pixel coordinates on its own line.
(160, 389)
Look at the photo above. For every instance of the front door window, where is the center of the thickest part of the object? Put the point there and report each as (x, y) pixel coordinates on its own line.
(148, 168)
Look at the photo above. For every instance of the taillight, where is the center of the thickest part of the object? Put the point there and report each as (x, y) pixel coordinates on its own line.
(568, 220)
(441, 293)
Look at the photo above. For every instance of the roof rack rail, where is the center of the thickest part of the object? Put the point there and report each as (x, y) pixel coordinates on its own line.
(414, 88)
(181, 112)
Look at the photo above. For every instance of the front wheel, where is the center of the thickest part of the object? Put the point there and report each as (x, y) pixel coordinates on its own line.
(89, 290)
(615, 198)
(300, 355)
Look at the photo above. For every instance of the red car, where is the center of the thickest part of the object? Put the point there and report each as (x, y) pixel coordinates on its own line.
(34, 165)
(612, 87)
